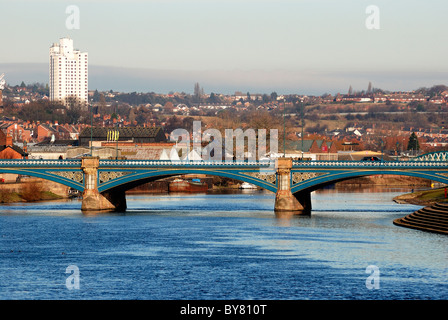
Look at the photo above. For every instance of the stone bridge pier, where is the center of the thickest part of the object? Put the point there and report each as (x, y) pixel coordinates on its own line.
(285, 201)
(92, 200)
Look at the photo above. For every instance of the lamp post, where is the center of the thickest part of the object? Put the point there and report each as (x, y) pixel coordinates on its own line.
(117, 137)
(301, 112)
(284, 129)
(91, 130)
(382, 148)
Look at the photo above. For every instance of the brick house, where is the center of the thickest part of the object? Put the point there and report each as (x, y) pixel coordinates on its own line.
(16, 131)
(8, 150)
(44, 132)
(314, 149)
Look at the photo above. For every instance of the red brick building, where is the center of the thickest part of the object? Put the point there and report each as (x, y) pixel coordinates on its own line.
(8, 150)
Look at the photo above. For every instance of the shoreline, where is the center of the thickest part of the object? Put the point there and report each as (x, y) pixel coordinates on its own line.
(16, 197)
(423, 198)
(31, 190)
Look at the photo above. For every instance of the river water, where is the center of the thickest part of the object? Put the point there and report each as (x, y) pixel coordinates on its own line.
(221, 246)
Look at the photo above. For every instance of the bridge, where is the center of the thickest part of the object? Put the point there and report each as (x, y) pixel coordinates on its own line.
(103, 182)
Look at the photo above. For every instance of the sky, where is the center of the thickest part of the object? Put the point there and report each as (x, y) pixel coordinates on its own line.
(257, 46)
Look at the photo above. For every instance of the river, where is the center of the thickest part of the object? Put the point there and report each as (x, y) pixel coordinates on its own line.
(221, 246)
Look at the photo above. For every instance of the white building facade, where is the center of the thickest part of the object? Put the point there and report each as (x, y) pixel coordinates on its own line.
(68, 72)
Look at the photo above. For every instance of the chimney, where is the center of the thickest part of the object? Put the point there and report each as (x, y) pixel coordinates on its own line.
(8, 140)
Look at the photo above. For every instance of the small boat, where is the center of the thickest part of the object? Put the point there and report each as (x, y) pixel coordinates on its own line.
(180, 185)
(246, 185)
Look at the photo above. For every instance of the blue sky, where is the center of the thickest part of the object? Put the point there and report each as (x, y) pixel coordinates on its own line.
(288, 46)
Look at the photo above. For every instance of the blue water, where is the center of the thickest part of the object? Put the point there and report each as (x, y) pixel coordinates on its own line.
(220, 246)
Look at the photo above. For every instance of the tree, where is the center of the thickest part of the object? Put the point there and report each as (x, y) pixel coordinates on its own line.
(369, 88)
(96, 96)
(102, 104)
(213, 98)
(132, 116)
(350, 91)
(198, 92)
(76, 113)
(413, 142)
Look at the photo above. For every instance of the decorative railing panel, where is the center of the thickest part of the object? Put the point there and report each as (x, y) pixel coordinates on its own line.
(433, 156)
(168, 163)
(33, 163)
(369, 164)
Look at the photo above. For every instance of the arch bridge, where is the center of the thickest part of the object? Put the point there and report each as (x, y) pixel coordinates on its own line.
(103, 182)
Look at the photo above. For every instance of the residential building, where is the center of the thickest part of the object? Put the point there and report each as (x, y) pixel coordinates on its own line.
(16, 131)
(45, 132)
(311, 149)
(68, 73)
(8, 150)
(137, 135)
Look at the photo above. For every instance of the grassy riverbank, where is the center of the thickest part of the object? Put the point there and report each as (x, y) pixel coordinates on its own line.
(29, 191)
(14, 197)
(423, 198)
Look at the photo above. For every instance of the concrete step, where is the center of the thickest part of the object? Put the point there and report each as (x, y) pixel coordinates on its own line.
(430, 215)
(435, 211)
(421, 226)
(427, 221)
(431, 219)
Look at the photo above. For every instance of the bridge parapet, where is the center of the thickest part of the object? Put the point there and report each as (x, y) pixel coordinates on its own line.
(181, 163)
(433, 156)
(33, 163)
(369, 164)
(268, 163)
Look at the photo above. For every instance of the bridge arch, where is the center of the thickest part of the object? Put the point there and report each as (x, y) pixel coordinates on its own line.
(54, 176)
(323, 180)
(132, 179)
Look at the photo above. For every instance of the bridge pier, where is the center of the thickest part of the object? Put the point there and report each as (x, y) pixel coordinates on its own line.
(92, 200)
(285, 201)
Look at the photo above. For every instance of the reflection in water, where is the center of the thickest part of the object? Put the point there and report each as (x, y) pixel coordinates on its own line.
(286, 219)
(367, 189)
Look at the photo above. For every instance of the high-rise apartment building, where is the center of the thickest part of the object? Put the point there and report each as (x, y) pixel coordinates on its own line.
(2, 86)
(68, 73)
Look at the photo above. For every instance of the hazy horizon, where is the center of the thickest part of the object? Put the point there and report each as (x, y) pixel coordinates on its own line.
(104, 78)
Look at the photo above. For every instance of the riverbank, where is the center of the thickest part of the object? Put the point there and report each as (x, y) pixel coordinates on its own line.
(15, 197)
(423, 198)
(32, 190)
(386, 180)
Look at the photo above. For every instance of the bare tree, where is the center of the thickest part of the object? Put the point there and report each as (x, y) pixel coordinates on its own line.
(198, 92)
